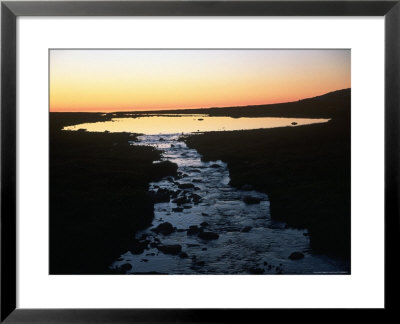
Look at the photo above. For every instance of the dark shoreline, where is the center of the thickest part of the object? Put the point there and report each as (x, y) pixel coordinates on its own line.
(98, 195)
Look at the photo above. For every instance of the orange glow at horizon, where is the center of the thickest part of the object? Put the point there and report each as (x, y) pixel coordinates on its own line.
(137, 80)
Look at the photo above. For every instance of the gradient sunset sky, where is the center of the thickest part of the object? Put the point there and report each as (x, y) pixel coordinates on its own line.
(128, 80)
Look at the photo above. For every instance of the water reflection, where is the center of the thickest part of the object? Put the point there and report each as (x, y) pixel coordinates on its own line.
(172, 124)
(245, 238)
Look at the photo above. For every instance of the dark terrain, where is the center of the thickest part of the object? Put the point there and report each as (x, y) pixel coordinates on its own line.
(99, 183)
(305, 170)
(98, 194)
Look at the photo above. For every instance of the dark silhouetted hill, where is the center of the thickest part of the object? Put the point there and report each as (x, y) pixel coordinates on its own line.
(334, 104)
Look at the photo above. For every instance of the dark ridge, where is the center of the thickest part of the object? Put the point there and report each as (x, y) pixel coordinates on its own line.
(332, 104)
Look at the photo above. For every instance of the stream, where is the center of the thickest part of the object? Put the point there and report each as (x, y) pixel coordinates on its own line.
(202, 225)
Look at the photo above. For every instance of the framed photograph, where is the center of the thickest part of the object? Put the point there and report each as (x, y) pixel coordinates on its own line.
(180, 160)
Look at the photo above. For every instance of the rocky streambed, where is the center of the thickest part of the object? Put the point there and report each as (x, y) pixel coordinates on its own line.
(202, 225)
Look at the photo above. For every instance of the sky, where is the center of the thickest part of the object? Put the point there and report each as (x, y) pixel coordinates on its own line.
(138, 80)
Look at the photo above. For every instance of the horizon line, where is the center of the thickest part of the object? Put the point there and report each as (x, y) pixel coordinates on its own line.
(196, 108)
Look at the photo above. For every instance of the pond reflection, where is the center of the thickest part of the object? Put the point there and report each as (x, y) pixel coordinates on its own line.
(173, 124)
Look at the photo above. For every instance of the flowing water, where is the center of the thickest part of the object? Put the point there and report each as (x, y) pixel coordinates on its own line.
(241, 237)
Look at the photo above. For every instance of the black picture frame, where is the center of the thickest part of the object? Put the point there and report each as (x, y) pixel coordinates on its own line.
(10, 10)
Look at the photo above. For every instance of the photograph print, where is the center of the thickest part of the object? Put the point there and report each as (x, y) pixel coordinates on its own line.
(199, 161)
